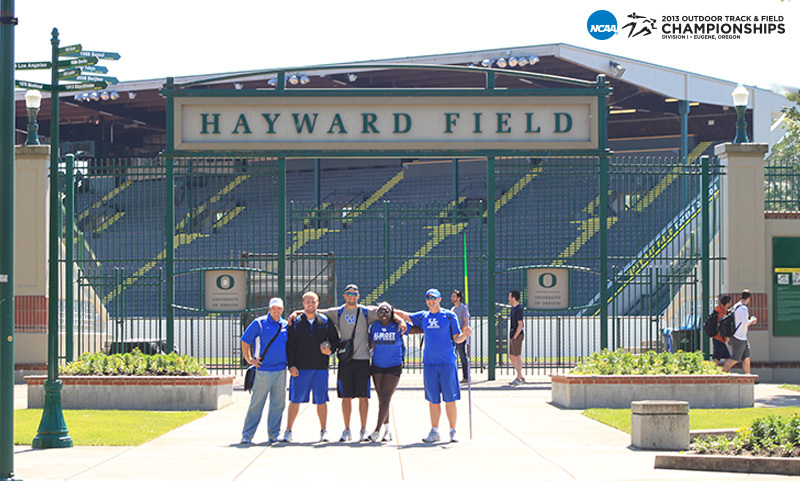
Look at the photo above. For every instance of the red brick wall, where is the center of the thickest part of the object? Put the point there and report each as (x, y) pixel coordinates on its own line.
(30, 313)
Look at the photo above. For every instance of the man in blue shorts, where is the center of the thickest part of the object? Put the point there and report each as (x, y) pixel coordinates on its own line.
(440, 371)
(308, 351)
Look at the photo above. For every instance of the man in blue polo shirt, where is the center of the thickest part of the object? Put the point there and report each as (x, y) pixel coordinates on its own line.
(440, 371)
(270, 380)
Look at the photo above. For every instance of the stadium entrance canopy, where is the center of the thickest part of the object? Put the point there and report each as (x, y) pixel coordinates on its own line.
(570, 120)
(566, 121)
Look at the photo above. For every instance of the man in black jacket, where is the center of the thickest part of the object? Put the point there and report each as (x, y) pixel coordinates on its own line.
(308, 351)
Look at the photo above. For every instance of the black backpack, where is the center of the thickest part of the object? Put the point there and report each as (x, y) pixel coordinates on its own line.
(710, 326)
(727, 325)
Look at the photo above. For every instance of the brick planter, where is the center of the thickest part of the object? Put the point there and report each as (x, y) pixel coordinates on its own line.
(149, 393)
(721, 391)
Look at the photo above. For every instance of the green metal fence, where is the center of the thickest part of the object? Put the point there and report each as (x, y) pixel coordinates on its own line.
(145, 233)
(782, 183)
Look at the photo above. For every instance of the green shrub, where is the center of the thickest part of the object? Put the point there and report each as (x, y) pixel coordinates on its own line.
(771, 435)
(621, 362)
(134, 364)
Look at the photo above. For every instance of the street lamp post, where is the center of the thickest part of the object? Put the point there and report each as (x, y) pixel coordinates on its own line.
(740, 95)
(33, 100)
(53, 432)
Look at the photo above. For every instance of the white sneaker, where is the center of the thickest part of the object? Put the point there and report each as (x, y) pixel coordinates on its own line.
(323, 436)
(364, 436)
(246, 440)
(516, 382)
(433, 437)
(287, 436)
(387, 436)
(453, 436)
(374, 437)
(346, 436)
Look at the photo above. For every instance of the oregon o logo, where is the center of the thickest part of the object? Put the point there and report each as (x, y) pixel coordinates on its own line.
(548, 280)
(225, 282)
(602, 25)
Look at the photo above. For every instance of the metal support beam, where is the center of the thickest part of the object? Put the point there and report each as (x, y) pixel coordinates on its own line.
(490, 256)
(7, 23)
(705, 234)
(282, 226)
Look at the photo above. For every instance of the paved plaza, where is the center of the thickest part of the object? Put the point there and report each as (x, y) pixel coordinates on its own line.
(516, 434)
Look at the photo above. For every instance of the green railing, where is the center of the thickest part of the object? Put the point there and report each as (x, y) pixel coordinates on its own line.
(403, 235)
(782, 184)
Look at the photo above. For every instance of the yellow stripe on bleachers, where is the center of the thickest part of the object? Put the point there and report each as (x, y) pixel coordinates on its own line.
(651, 196)
(104, 199)
(108, 222)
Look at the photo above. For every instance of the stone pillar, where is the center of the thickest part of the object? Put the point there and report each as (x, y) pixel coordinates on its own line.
(31, 230)
(660, 425)
(743, 217)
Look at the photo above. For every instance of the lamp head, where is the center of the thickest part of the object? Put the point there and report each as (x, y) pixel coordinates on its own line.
(33, 99)
(740, 95)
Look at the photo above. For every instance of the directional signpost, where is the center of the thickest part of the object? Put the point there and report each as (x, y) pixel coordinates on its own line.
(69, 63)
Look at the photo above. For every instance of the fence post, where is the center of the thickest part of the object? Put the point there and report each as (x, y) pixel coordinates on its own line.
(282, 228)
(169, 248)
(602, 190)
(169, 218)
(490, 288)
(69, 247)
(705, 234)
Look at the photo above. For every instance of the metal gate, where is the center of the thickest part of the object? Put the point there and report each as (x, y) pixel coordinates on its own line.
(225, 216)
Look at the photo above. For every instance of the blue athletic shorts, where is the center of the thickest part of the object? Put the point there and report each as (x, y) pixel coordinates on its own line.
(309, 380)
(441, 383)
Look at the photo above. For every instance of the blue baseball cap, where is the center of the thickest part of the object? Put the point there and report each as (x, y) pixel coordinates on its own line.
(434, 292)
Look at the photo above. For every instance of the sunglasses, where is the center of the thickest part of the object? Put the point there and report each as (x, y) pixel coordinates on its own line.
(428, 298)
(351, 294)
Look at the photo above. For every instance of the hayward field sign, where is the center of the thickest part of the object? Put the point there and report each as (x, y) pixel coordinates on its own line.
(381, 123)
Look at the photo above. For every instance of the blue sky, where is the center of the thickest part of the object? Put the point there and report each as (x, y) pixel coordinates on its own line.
(178, 37)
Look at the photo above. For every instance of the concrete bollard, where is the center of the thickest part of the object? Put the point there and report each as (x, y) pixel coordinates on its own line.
(660, 425)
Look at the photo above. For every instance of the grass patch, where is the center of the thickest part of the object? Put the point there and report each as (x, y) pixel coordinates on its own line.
(793, 387)
(105, 428)
(698, 418)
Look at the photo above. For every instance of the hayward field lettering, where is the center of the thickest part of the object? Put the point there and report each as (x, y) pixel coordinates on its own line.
(394, 123)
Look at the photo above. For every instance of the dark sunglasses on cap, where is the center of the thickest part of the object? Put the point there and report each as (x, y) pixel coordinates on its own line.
(351, 294)
(428, 298)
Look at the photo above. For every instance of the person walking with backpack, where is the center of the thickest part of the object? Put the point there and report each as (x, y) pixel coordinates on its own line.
(720, 351)
(308, 351)
(739, 344)
(270, 377)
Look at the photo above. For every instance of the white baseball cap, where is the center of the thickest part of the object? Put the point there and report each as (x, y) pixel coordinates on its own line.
(276, 301)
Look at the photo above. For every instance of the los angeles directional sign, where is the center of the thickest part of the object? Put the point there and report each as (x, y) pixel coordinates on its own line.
(75, 62)
(32, 65)
(102, 55)
(24, 84)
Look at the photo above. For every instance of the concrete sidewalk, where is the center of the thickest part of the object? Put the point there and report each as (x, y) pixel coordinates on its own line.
(517, 434)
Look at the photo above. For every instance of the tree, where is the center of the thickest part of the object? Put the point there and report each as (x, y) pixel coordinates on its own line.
(782, 170)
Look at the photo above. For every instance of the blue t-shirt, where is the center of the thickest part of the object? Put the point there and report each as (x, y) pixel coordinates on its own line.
(439, 329)
(264, 328)
(389, 346)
